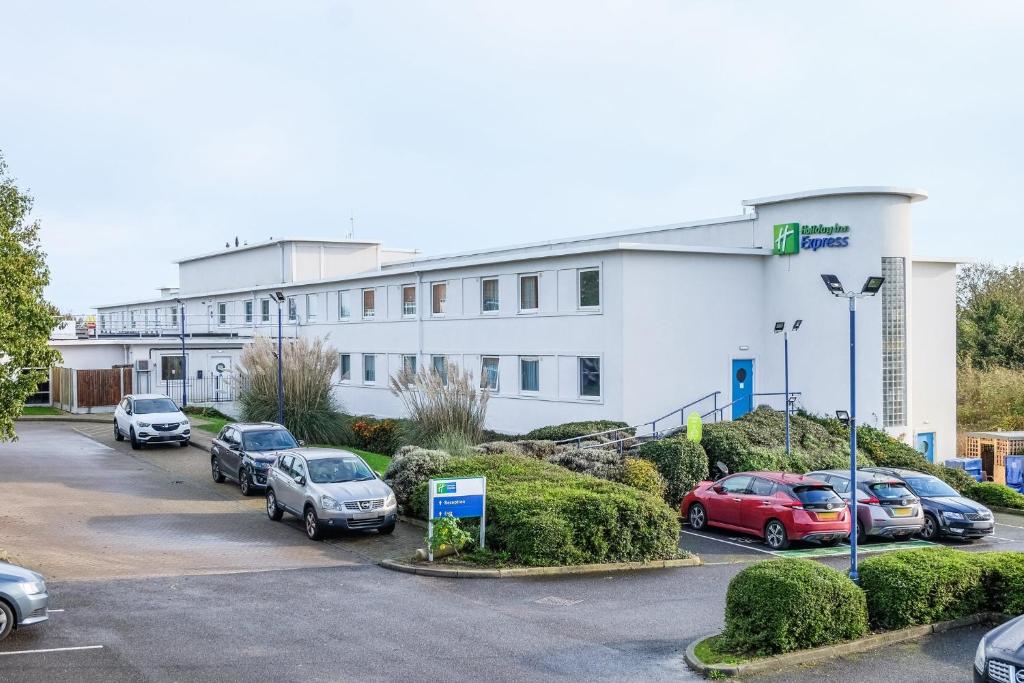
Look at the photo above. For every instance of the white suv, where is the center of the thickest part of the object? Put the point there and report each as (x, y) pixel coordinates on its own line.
(150, 418)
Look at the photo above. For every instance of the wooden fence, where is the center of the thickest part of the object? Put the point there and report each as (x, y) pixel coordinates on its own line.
(80, 390)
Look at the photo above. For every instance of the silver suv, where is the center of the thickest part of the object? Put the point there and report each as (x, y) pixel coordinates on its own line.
(329, 489)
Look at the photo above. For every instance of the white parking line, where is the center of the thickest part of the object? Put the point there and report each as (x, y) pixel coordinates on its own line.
(1012, 526)
(52, 649)
(51, 611)
(738, 545)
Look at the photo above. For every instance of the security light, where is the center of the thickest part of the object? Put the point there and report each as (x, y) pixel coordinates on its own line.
(833, 284)
(843, 416)
(872, 285)
(797, 324)
(278, 297)
(780, 326)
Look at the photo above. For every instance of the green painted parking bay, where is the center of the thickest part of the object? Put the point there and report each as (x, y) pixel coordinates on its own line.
(839, 550)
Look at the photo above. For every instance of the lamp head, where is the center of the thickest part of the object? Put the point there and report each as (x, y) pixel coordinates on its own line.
(278, 296)
(780, 327)
(843, 416)
(832, 283)
(797, 324)
(872, 285)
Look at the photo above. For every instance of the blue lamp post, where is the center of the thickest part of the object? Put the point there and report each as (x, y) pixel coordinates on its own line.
(279, 298)
(781, 327)
(870, 288)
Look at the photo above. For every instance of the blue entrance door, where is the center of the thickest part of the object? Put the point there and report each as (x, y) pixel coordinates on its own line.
(926, 445)
(742, 387)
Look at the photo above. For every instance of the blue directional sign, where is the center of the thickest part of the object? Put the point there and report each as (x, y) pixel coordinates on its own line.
(459, 497)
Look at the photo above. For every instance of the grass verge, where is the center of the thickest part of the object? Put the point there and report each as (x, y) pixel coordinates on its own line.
(40, 410)
(712, 651)
(212, 425)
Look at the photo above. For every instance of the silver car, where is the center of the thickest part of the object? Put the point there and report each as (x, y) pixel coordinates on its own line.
(886, 507)
(23, 598)
(329, 489)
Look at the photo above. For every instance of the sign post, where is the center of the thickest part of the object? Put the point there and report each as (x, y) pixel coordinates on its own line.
(459, 497)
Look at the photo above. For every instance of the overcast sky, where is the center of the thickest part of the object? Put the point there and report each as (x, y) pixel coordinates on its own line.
(150, 131)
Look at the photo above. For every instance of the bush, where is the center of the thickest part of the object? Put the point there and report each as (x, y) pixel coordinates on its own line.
(376, 436)
(596, 462)
(784, 605)
(998, 495)
(443, 409)
(643, 475)
(910, 587)
(537, 449)
(681, 462)
(572, 430)
(410, 467)
(542, 514)
(492, 447)
(310, 409)
(1003, 581)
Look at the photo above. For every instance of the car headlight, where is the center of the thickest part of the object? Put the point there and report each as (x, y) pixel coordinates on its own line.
(328, 503)
(184, 424)
(979, 657)
(32, 587)
(145, 424)
(390, 501)
(953, 515)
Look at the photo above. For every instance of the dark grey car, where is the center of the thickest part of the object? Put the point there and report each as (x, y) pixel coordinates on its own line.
(244, 453)
(23, 598)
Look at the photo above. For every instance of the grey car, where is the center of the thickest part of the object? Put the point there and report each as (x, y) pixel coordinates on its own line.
(329, 489)
(23, 598)
(886, 507)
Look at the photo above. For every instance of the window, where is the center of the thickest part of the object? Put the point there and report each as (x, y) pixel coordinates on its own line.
(343, 311)
(894, 343)
(590, 288)
(762, 487)
(369, 368)
(369, 299)
(293, 311)
(528, 285)
(738, 484)
(171, 367)
(222, 314)
(264, 310)
(590, 376)
(131, 319)
(409, 365)
(529, 374)
(409, 300)
(103, 321)
(345, 366)
(440, 366)
(248, 312)
(489, 373)
(438, 297)
(312, 307)
(156, 317)
(489, 295)
(174, 316)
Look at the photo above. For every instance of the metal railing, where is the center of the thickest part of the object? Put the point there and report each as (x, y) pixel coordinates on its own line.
(216, 389)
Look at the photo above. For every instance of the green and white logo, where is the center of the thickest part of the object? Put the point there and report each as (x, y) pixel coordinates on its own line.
(786, 238)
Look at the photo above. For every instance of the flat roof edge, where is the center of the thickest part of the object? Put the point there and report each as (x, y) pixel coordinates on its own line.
(271, 242)
(913, 194)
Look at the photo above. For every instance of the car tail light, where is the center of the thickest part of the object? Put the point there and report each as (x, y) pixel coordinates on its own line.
(795, 504)
(871, 501)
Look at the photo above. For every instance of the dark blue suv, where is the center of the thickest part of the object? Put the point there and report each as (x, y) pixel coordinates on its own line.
(244, 453)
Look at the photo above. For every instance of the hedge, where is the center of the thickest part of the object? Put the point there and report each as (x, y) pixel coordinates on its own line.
(542, 514)
(681, 462)
(784, 605)
(991, 493)
(572, 430)
(910, 587)
(642, 474)
(1003, 581)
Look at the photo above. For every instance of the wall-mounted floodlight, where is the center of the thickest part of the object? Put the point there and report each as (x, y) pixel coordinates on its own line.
(797, 324)
(833, 284)
(872, 285)
(278, 296)
(780, 326)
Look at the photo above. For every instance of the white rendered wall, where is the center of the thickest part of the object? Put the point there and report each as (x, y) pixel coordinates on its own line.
(933, 391)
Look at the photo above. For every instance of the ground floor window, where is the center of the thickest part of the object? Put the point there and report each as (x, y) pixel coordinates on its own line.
(440, 366)
(345, 367)
(409, 365)
(369, 368)
(590, 377)
(529, 374)
(171, 367)
(489, 373)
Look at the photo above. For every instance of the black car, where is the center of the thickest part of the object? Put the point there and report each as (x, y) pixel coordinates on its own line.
(245, 451)
(1000, 654)
(946, 512)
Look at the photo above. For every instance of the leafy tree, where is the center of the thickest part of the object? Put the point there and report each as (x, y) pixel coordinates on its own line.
(26, 319)
(990, 316)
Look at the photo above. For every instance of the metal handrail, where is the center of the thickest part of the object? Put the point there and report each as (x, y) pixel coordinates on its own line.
(721, 409)
(585, 437)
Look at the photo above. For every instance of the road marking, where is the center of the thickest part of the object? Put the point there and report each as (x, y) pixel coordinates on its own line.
(738, 545)
(51, 611)
(52, 649)
(1012, 526)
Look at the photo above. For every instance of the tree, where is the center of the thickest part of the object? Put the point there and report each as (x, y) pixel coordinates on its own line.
(26, 318)
(990, 316)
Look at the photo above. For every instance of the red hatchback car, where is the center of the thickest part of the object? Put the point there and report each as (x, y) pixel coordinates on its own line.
(777, 506)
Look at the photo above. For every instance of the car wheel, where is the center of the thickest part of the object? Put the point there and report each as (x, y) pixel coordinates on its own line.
(218, 476)
(387, 529)
(183, 444)
(273, 511)
(136, 444)
(313, 529)
(118, 436)
(6, 619)
(861, 535)
(930, 530)
(775, 535)
(244, 483)
(697, 516)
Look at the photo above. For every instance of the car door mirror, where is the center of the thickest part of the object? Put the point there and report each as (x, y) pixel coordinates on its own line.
(127, 411)
(300, 480)
(302, 442)
(719, 489)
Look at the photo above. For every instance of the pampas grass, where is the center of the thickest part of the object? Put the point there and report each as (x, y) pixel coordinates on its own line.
(448, 415)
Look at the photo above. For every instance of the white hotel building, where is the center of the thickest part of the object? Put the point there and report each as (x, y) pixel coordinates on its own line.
(628, 325)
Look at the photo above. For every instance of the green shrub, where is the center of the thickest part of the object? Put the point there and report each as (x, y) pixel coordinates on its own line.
(991, 493)
(597, 462)
(642, 474)
(910, 587)
(410, 467)
(681, 462)
(376, 436)
(542, 514)
(1003, 580)
(572, 430)
(492, 447)
(537, 449)
(784, 605)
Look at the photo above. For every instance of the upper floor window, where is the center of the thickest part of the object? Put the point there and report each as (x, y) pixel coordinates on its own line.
(409, 300)
(529, 374)
(174, 316)
(156, 317)
(590, 288)
(131, 319)
(528, 292)
(438, 297)
(369, 302)
(248, 311)
(264, 310)
(293, 310)
(222, 313)
(489, 373)
(343, 307)
(590, 377)
(489, 301)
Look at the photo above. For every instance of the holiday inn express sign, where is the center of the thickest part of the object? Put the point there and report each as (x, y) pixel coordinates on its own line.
(790, 238)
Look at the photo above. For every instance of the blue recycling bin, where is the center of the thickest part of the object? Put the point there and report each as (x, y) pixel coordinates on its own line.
(1015, 472)
(971, 466)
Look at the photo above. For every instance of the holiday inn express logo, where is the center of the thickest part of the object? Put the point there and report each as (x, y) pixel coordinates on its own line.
(789, 238)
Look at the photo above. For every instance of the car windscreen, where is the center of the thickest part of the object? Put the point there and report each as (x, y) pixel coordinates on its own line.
(145, 406)
(816, 495)
(932, 487)
(268, 440)
(890, 490)
(338, 470)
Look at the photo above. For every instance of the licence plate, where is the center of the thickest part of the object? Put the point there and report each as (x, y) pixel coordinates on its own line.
(365, 515)
(828, 515)
(901, 512)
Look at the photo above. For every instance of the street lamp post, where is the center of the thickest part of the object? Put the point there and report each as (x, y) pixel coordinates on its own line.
(781, 327)
(870, 288)
(279, 298)
(184, 360)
